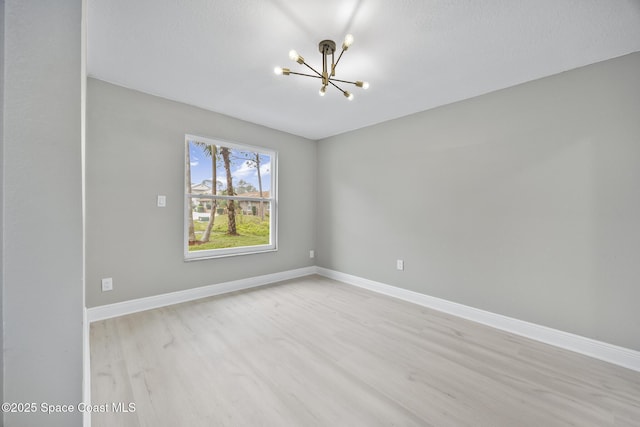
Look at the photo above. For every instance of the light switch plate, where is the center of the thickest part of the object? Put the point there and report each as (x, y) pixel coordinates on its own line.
(162, 201)
(107, 284)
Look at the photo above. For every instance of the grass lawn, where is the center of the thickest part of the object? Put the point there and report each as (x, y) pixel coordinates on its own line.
(252, 231)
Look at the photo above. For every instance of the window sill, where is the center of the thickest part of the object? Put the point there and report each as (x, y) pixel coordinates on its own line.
(204, 255)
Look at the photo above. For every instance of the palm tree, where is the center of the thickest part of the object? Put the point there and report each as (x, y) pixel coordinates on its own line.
(212, 152)
(231, 207)
(192, 234)
(254, 161)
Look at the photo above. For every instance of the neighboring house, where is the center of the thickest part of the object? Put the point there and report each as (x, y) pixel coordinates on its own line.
(247, 206)
(202, 188)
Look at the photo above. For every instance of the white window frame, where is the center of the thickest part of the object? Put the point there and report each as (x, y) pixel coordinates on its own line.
(272, 200)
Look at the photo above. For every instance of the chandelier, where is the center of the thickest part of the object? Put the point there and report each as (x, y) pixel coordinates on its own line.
(327, 48)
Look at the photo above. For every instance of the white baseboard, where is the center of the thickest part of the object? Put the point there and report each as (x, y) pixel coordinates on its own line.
(597, 349)
(133, 306)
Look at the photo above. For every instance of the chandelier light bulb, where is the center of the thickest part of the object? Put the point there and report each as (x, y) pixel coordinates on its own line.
(365, 85)
(282, 71)
(348, 94)
(323, 90)
(295, 56)
(348, 41)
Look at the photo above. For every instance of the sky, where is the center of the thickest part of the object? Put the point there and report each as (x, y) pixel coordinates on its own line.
(201, 167)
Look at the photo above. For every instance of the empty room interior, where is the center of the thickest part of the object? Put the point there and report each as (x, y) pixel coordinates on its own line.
(336, 213)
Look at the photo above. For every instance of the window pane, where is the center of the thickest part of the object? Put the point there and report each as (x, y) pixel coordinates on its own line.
(250, 171)
(222, 223)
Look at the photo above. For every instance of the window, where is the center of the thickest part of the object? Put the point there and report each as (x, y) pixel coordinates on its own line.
(230, 199)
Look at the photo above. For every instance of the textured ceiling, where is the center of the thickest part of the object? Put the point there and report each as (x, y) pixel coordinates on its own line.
(417, 54)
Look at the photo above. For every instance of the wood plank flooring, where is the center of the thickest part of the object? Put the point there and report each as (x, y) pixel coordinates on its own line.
(315, 352)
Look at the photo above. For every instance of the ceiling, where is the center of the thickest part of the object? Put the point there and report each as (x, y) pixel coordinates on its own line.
(416, 54)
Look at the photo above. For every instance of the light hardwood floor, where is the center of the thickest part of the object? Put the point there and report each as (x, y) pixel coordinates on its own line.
(315, 352)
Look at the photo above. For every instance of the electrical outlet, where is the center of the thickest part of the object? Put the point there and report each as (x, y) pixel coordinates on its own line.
(107, 284)
(400, 264)
(312, 254)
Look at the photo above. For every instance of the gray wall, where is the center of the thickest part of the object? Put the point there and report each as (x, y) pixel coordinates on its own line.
(523, 202)
(134, 151)
(42, 193)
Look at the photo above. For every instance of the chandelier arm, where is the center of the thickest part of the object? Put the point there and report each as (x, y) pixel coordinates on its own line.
(342, 81)
(333, 63)
(339, 56)
(312, 69)
(337, 87)
(306, 75)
